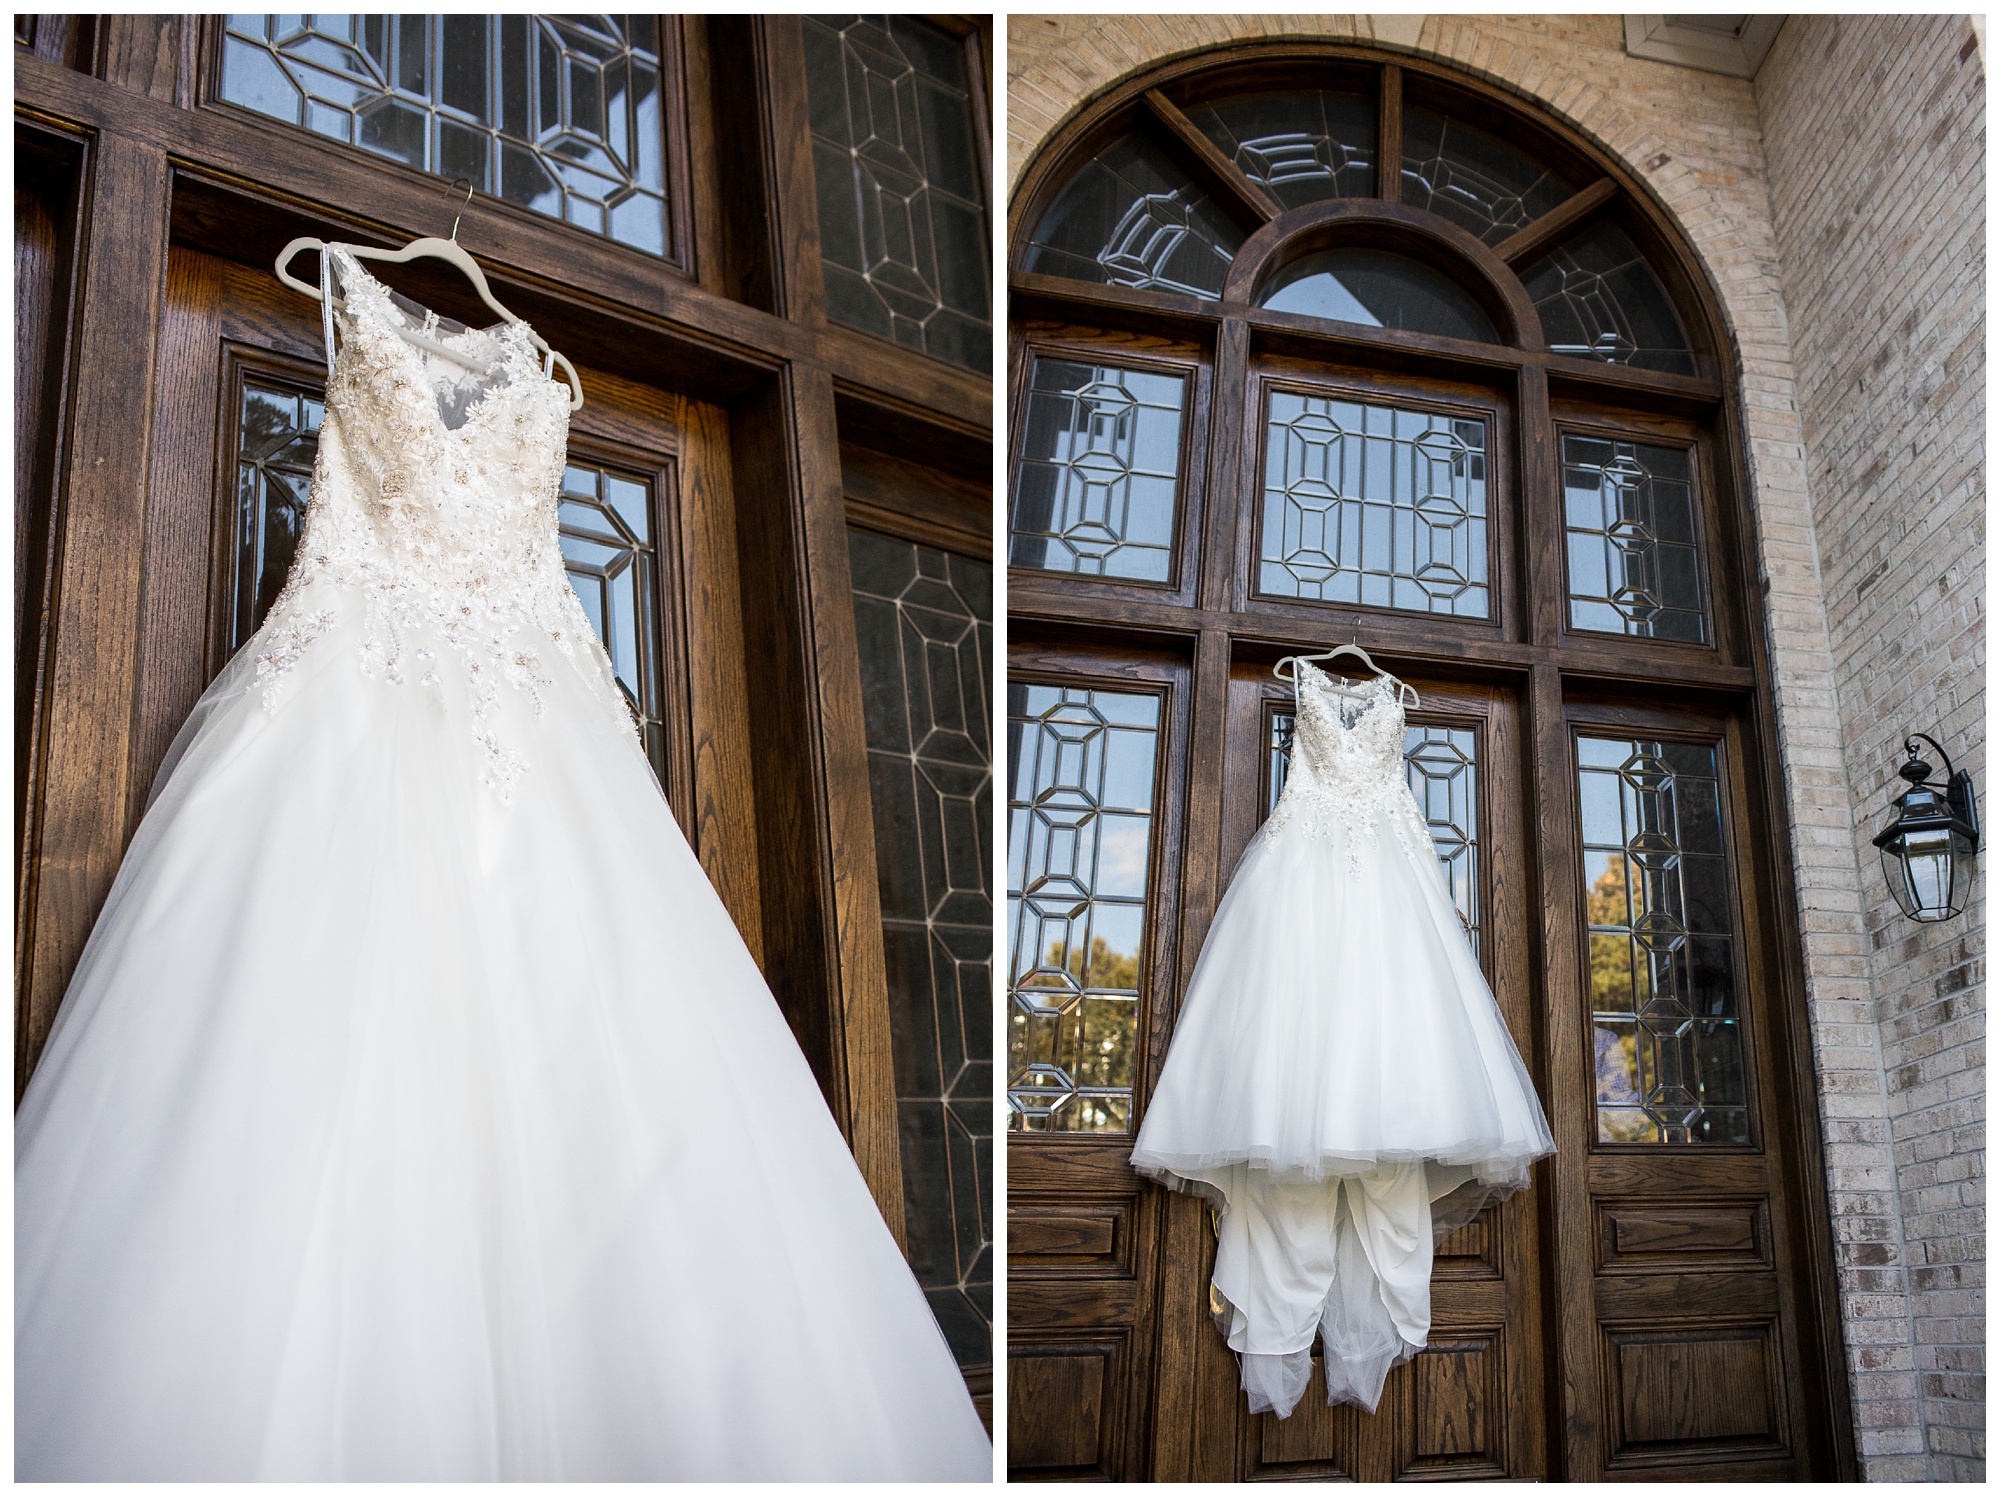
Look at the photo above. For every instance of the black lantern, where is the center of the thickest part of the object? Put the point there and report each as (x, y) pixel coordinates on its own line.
(1927, 850)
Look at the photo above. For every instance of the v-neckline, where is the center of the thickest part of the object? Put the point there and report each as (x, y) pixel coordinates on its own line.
(1373, 694)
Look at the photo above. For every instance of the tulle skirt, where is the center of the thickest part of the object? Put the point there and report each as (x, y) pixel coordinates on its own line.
(1343, 1088)
(390, 1132)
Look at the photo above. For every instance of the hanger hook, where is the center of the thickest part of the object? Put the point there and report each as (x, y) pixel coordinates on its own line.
(468, 200)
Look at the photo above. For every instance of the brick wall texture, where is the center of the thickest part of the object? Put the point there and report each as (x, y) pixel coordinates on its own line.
(1838, 204)
(1879, 212)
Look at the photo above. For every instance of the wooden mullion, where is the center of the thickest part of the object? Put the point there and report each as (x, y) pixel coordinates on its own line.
(1538, 513)
(794, 193)
(845, 803)
(1570, 214)
(1567, 1258)
(1243, 200)
(149, 54)
(1221, 510)
(1389, 135)
(86, 815)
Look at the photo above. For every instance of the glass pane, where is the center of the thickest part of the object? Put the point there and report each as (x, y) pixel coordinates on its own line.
(1478, 181)
(1378, 289)
(1096, 487)
(277, 439)
(1599, 299)
(1443, 769)
(1663, 998)
(1080, 806)
(1634, 558)
(924, 620)
(902, 205)
(605, 525)
(1131, 217)
(1300, 147)
(453, 94)
(1375, 505)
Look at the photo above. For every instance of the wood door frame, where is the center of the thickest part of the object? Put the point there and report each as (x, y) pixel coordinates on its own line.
(162, 165)
(1551, 663)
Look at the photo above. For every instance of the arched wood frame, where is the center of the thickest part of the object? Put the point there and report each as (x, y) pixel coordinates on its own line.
(1553, 668)
(1380, 224)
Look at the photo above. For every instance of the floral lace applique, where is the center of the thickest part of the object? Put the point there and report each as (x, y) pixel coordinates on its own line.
(1346, 772)
(447, 532)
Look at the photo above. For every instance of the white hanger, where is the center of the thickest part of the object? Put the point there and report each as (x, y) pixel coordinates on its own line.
(1350, 648)
(450, 251)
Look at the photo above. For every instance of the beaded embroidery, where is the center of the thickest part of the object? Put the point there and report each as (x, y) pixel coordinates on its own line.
(445, 533)
(1347, 774)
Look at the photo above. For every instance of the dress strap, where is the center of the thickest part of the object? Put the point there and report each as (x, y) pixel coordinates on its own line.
(326, 302)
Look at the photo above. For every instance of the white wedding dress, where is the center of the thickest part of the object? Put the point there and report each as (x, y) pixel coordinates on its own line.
(416, 1111)
(1341, 1084)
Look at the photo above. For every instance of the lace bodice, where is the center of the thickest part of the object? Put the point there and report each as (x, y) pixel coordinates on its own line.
(433, 506)
(1346, 769)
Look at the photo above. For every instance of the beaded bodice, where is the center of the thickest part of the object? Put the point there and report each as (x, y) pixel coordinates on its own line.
(433, 506)
(1346, 768)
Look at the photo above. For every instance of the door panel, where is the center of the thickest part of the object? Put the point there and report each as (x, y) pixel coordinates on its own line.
(1095, 761)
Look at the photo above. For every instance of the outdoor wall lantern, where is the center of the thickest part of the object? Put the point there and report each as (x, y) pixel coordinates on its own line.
(1927, 850)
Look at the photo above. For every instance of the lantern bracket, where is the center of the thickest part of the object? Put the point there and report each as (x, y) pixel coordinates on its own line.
(1956, 789)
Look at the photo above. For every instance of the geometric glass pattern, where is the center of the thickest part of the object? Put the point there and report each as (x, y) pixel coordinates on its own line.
(1668, 1039)
(605, 528)
(1443, 769)
(561, 114)
(1371, 504)
(1079, 842)
(1131, 217)
(1299, 147)
(1377, 288)
(277, 438)
(1634, 561)
(1094, 490)
(924, 622)
(1599, 299)
(902, 217)
(1481, 183)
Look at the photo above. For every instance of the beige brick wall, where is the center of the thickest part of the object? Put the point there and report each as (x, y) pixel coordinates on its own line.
(1876, 158)
(1896, 1026)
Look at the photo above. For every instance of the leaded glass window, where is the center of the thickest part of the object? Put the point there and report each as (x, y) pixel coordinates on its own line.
(1486, 186)
(1131, 217)
(1373, 504)
(1079, 848)
(1663, 992)
(1299, 147)
(1634, 555)
(1377, 288)
(611, 553)
(277, 439)
(1442, 764)
(561, 114)
(1599, 299)
(924, 622)
(902, 217)
(1098, 475)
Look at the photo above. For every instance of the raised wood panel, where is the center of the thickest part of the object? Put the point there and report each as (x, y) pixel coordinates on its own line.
(1063, 1236)
(1668, 1236)
(1456, 1407)
(1472, 1252)
(1678, 1393)
(1317, 1442)
(1058, 1400)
